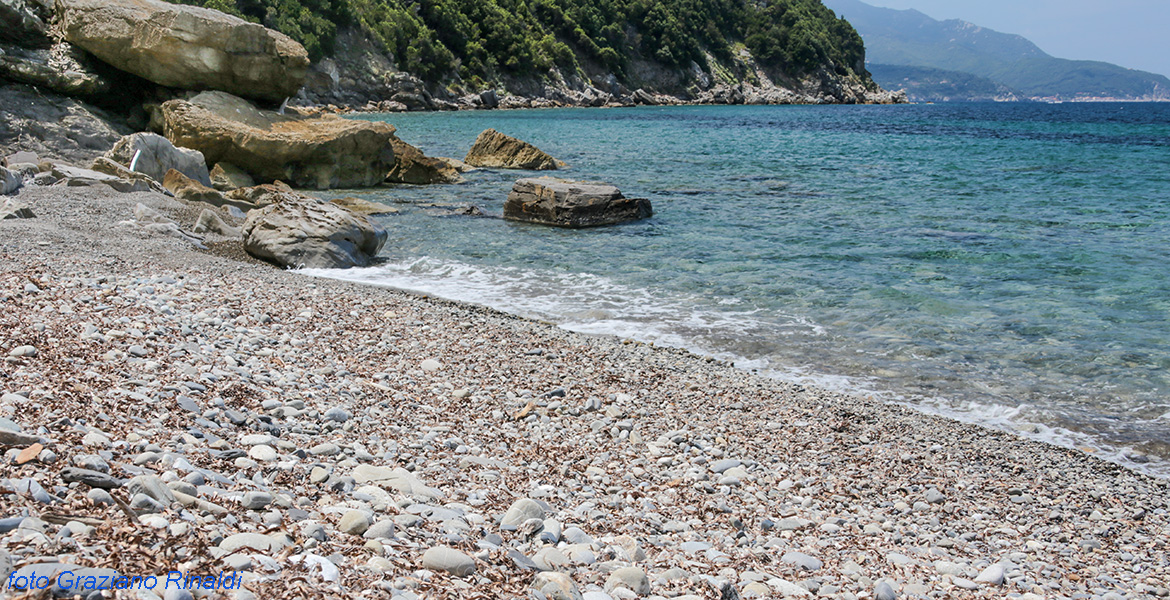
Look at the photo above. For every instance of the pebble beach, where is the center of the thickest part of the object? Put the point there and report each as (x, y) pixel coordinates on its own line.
(168, 408)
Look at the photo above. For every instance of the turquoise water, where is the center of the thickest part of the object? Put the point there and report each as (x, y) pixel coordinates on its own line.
(1003, 264)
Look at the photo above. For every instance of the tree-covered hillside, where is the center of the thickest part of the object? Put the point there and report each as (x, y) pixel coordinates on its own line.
(483, 40)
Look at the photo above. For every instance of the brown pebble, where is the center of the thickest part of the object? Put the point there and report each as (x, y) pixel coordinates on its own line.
(29, 453)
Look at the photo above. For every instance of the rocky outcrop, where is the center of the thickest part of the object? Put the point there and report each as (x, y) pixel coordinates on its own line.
(364, 207)
(55, 127)
(21, 24)
(226, 177)
(562, 203)
(307, 232)
(61, 68)
(186, 47)
(496, 150)
(154, 155)
(75, 177)
(264, 194)
(308, 152)
(414, 167)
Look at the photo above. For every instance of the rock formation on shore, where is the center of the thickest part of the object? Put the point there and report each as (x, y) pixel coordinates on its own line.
(307, 232)
(309, 152)
(186, 47)
(496, 150)
(572, 204)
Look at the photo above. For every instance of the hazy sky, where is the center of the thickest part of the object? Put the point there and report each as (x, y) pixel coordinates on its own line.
(1130, 33)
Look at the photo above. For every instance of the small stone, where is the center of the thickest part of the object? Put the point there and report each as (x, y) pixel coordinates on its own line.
(256, 500)
(325, 450)
(28, 454)
(934, 496)
(337, 414)
(720, 466)
(521, 511)
(254, 541)
(442, 558)
(91, 478)
(884, 591)
(354, 522)
(23, 352)
(262, 453)
(431, 365)
(631, 578)
(379, 530)
(993, 574)
(556, 586)
(802, 560)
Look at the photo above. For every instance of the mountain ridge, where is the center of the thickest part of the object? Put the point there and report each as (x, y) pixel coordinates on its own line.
(910, 38)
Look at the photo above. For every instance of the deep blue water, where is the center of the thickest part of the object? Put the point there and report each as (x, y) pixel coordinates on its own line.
(1002, 263)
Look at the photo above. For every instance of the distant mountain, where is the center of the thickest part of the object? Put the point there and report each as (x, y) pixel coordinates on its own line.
(956, 60)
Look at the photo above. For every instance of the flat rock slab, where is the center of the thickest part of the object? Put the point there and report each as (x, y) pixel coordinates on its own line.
(564, 203)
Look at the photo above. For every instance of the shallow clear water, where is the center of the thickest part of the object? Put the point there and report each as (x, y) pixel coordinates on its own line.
(1003, 264)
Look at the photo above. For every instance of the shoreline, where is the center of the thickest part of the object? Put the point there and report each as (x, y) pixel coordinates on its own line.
(635, 449)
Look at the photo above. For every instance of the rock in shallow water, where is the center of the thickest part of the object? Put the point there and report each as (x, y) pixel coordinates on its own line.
(573, 204)
(494, 149)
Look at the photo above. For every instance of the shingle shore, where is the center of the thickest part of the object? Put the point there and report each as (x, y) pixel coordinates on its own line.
(327, 439)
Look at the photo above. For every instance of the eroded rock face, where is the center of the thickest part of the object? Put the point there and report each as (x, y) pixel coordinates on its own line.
(55, 127)
(307, 152)
(186, 47)
(20, 24)
(156, 155)
(562, 203)
(307, 232)
(496, 150)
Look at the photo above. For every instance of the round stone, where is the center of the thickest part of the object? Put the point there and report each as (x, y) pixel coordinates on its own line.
(354, 522)
(442, 558)
(263, 453)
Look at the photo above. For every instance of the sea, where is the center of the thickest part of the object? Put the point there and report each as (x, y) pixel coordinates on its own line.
(1001, 264)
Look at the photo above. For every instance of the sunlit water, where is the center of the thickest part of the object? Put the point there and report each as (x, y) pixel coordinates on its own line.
(1002, 264)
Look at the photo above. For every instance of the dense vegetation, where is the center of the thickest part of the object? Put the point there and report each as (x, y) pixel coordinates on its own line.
(924, 84)
(482, 40)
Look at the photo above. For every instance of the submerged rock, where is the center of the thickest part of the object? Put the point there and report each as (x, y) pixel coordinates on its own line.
(187, 47)
(308, 152)
(563, 203)
(494, 149)
(306, 232)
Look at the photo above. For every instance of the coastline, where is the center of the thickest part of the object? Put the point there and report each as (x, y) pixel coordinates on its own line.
(636, 449)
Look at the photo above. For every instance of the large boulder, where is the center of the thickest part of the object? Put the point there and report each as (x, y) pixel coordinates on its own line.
(564, 203)
(496, 150)
(308, 152)
(306, 232)
(186, 47)
(153, 155)
(414, 167)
